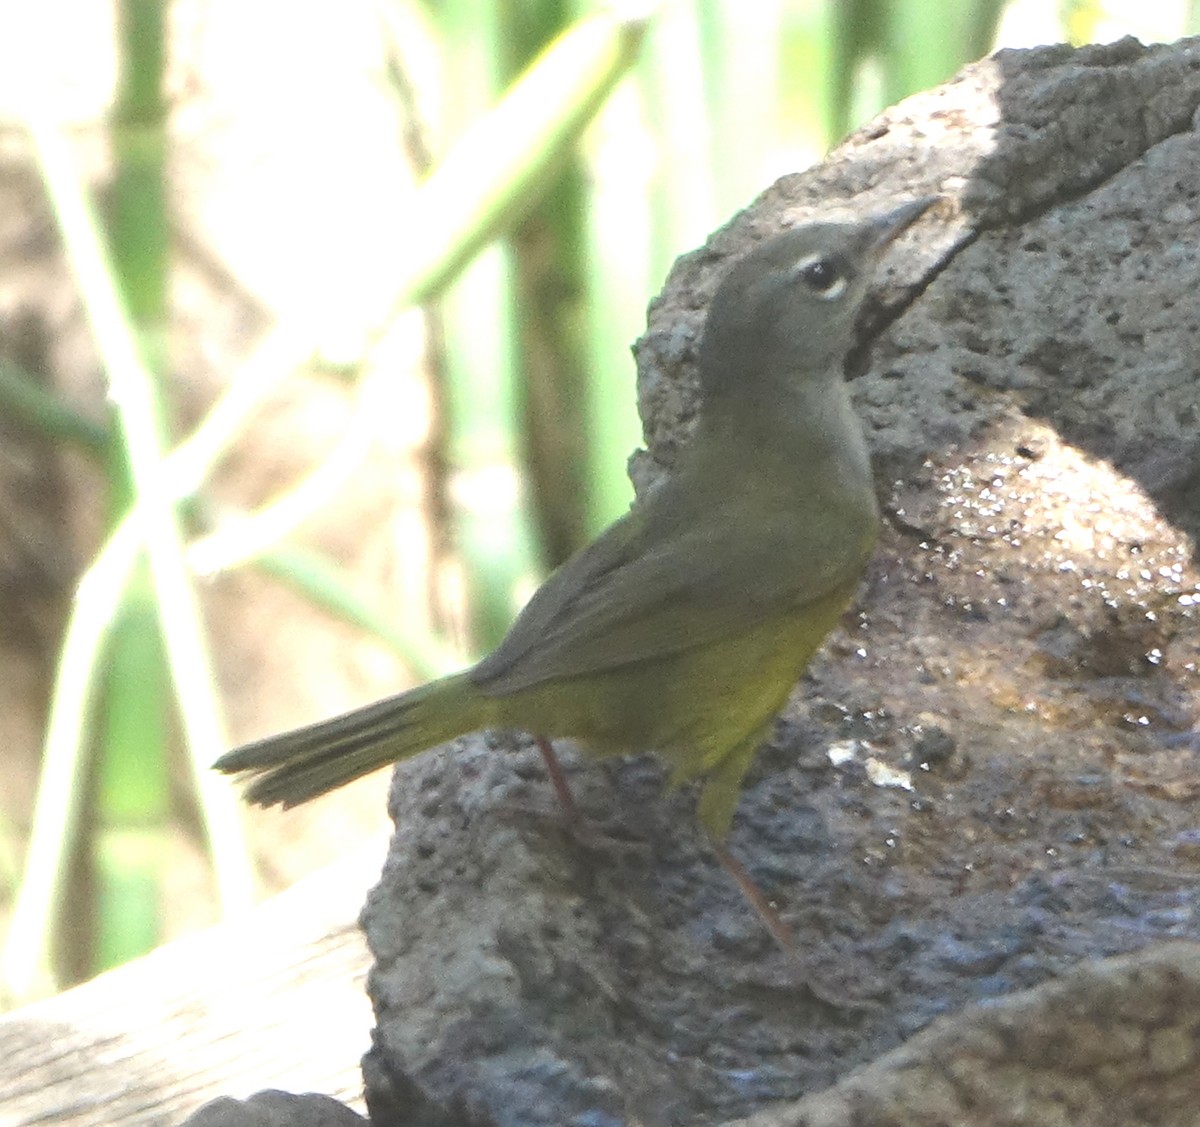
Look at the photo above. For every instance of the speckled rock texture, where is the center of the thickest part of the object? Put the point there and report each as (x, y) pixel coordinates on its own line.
(988, 775)
(276, 1109)
(1110, 1042)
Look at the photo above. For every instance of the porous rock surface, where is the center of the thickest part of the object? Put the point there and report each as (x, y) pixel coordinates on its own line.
(987, 776)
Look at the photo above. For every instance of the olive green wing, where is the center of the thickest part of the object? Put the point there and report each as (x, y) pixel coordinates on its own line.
(651, 587)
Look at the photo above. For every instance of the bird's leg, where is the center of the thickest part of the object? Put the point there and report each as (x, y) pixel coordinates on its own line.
(758, 901)
(582, 830)
(558, 778)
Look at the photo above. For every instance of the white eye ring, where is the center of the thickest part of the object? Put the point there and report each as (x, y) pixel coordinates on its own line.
(824, 276)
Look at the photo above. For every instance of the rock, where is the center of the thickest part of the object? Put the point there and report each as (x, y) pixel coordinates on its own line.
(1110, 1042)
(1028, 379)
(275, 1109)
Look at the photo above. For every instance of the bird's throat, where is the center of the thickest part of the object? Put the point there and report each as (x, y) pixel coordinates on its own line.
(806, 426)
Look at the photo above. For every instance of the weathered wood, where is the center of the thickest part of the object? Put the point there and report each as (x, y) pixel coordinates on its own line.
(275, 998)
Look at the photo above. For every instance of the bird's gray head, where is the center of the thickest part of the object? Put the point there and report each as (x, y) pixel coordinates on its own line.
(787, 309)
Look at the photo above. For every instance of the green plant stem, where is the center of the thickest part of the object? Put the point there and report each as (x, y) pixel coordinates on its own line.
(617, 269)
(743, 46)
(522, 138)
(156, 524)
(561, 90)
(493, 534)
(25, 970)
(240, 540)
(24, 399)
(324, 586)
(132, 805)
(518, 148)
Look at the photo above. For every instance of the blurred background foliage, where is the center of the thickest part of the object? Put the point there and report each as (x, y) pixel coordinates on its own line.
(570, 151)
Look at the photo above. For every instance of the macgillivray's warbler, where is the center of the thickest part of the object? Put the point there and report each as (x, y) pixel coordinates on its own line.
(684, 627)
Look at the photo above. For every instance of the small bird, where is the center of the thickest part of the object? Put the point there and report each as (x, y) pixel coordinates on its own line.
(686, 624)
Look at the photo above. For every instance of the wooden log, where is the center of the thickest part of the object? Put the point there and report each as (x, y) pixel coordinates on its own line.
(275, 998)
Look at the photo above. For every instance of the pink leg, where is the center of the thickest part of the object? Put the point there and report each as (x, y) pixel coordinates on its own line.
(753, 894)
(558, 777)
(781, 932)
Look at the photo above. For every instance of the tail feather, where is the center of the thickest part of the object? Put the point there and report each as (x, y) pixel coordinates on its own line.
(293, 767)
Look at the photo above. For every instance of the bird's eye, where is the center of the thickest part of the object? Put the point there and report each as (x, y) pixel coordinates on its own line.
(826, 277)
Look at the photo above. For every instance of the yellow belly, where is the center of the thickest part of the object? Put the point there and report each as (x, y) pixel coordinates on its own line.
(704, 710)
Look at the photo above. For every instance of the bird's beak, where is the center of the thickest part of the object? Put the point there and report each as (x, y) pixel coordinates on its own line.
(884, 229)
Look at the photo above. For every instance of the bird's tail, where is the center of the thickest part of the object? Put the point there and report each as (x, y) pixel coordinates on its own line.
(295, 766)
